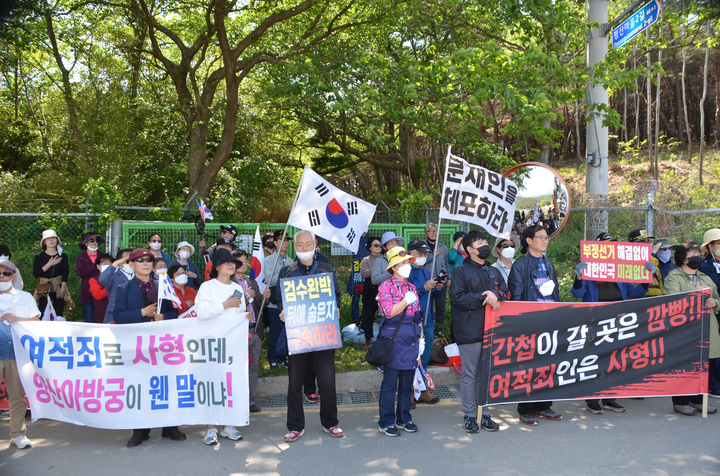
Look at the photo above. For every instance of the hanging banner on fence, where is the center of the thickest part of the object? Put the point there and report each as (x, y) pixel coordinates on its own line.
(563, 351)
(312, 317)
(329, 212)
(616, 262)
(477, 195)
(147, 375)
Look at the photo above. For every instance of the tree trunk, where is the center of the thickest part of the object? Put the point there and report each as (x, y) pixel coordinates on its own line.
(637, 104)
(685, 108)
(577, 134)
(649, 104)
(545, 153)
(657, 112)
(624, 133)
(678, 111)
(716, 131)
(702, 104)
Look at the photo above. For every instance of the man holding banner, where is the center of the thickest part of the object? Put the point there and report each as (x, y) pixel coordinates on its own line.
(14, 305)
(322, 360)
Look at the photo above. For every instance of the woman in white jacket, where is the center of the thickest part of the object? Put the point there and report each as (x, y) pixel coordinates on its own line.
(221, 297)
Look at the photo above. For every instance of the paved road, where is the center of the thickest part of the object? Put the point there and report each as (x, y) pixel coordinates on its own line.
(646, 440)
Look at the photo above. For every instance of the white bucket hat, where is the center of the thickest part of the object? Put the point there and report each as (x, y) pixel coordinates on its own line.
(184, 243)
(49, 234)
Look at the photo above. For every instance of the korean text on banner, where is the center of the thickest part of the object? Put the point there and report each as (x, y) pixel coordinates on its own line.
(616, 262)
(563, 351)
(312, 319)
(330, 213)
(147, 375)
(477, 195)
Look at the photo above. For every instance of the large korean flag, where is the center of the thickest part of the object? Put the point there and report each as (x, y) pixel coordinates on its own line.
(477, 195)
(329, 212)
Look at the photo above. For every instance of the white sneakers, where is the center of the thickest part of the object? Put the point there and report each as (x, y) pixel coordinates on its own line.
(21, 442)
(231, 432)
(211, 436)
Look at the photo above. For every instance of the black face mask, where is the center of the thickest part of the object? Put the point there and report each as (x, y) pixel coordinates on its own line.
(694, 262)
(270, 245)
(483, 252)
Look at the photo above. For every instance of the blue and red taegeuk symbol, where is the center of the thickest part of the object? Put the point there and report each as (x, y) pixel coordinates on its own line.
(255, 268)
(336, 215)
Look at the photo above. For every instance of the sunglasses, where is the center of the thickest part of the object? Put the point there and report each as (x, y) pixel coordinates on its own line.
(155, 241)
(7, 273)
(376, 245)
(506, 245)
(92, 240)
(144, 260)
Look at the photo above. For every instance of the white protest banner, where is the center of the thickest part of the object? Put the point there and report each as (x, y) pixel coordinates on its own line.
(329, 212)
(257, 262)
(477, 195)
(146, 375)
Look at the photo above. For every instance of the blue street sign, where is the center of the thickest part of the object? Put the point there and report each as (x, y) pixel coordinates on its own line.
(636, 24)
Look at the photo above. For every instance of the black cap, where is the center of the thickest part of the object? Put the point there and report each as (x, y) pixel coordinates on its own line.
(418, 245)
(103, 256)
(5, 251)
(229, 228)
(639, 234)
(605, 237)
(279, 233)
(459, 234)
(224, 241)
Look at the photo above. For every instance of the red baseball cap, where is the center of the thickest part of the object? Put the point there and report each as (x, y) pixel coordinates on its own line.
(139, 253)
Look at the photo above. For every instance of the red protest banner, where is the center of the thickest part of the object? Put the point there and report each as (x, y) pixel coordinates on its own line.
(616, 262)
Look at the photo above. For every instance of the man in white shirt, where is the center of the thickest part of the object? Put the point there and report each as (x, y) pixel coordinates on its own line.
(14, 305)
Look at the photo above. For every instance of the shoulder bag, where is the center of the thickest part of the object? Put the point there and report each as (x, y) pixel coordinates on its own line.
(381, 351)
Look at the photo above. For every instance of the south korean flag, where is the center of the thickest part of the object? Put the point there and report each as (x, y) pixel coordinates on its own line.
(329, 212)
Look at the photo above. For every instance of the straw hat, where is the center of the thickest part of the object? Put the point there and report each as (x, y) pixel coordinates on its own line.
(397, 255)
(710, 236)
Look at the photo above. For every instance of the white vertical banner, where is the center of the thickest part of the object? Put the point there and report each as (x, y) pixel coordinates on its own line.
(145, 375)
(257, 262)
(330, 213)
(474, 194)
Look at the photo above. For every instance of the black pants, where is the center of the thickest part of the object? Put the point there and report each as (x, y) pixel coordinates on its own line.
(533, 407)
(370, 307)
(57, 303)
(687, 399)
(604, 401)
(440, 300)
(309, 382)
(146, 431)
(324, 364)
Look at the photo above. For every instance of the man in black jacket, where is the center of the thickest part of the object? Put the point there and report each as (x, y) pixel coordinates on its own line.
(533, 278)
(475, 285)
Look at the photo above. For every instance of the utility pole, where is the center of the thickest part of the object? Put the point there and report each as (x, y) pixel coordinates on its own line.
(596, 172)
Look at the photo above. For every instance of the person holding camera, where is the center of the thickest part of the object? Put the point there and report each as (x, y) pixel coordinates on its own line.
(438, 253)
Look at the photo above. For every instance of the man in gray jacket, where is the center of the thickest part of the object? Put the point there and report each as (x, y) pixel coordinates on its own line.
(437, 252)
(389, 241)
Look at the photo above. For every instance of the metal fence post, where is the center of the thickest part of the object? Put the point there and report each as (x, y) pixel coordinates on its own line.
(115, 240)
(650, 207)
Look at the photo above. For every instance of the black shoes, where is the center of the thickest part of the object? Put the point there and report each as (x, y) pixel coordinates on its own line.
(137, 439)
(471, 424)
(174, 434)
(487, 424)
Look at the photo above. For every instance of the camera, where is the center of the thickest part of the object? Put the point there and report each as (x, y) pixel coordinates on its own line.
(442, 275)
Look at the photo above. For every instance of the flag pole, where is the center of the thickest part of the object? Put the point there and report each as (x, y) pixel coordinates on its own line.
(297, 194)
(437, 240)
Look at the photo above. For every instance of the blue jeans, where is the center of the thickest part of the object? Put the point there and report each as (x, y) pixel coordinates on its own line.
(88, 311)
(276, 327)
(355, 308)
(425, 357)
(402, 382)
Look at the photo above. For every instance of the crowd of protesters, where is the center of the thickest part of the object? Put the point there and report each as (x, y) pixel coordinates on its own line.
(404, 288)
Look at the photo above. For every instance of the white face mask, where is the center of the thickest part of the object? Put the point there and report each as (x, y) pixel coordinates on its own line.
(5, 285)
(664, 255)
(462, 248)
(405, 270)
(90, 248)
(305, 255)
(508, 253)
(128, 270)
(181, 280)
(4, 257)
(104, 267)
(184, 254)
(156, 246)
(59, 250)
(420, 262)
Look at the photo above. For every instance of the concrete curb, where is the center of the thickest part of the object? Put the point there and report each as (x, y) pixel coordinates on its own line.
(351, 382)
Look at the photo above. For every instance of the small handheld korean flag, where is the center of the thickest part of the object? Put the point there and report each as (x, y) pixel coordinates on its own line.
(166, 290)
(205, 212)
(49, 314)
(477, 195)
(257, 264)
(329, 212)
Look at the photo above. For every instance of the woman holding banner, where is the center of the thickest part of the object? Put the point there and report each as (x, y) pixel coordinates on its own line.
(399, 306)
(221, 296)
(682, 279)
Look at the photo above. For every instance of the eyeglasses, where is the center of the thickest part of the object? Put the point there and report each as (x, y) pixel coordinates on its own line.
(507, 245)
(155, 241)
(431, 231)
(144, 260)
(7, 273)
(542, 238)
